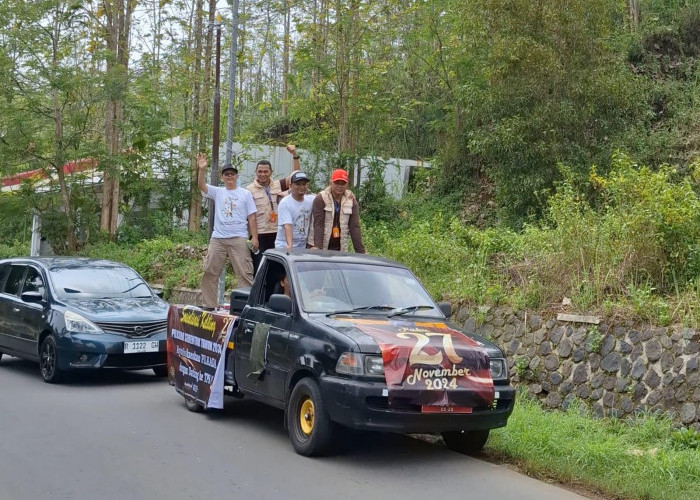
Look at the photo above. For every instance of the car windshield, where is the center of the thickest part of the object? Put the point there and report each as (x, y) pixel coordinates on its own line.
(92, 282)
(338, 287)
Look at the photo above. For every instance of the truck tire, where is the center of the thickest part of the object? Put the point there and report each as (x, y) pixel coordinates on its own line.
(309, 426)
(192, 405)
(467, 442)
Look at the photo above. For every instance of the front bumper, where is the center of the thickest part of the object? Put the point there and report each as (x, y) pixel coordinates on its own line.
(80, 351)
(364, 405)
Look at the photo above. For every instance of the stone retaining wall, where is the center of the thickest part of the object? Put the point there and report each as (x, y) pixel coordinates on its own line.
(182, 295)
(616, 368)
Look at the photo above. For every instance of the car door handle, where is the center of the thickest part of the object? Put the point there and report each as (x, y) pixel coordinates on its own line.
(15, 310)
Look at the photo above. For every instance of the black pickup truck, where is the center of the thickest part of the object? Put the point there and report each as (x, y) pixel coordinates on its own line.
(356, 341)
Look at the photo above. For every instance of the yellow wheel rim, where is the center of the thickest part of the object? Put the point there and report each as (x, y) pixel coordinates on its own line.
(306, 416)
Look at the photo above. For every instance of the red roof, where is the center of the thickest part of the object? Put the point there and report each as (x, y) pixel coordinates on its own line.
(68, 168)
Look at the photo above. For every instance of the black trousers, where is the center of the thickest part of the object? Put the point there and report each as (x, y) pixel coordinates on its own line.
(265, 242)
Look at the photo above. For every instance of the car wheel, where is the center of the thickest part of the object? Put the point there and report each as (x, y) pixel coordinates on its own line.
(193, 405)
(48, 361)
(161, 371)
(467, 442)
(309, 425)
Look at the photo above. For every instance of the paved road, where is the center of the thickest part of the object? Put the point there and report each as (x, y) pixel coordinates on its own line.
(114, 436)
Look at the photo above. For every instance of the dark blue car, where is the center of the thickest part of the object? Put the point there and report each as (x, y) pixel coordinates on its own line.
(71, 313)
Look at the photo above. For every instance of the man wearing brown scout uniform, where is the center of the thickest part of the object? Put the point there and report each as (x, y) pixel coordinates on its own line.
(267, 194)
(335, 217)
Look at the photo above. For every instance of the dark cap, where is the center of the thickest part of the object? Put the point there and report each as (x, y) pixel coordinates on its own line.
(299, 176)
(228, 166)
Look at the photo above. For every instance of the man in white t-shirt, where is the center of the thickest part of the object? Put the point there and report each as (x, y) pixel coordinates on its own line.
(234, 217)
(295, 214)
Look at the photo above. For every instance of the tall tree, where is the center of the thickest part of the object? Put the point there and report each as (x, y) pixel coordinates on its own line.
(116, 31)
(49, 106)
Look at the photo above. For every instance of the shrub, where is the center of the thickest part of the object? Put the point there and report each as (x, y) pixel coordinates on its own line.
(641, 232)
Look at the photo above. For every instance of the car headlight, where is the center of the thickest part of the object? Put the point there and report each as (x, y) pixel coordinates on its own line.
(352, 363)
(498, 369)
(75, 323)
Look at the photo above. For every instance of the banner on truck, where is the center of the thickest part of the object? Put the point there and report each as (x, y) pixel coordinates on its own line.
(430, 364)
(197, 342)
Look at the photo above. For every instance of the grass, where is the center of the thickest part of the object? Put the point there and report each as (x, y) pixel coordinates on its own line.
(635, 459)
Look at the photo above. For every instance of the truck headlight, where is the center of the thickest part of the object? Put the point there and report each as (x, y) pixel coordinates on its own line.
(352, 363)
(349, 363)
(75, 323)
(498, 369)
(374, 365)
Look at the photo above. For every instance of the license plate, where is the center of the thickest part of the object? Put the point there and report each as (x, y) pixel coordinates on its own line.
(445, 409)
(141, 346)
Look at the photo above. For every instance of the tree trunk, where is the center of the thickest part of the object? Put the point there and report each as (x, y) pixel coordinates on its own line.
(118, 27)
(58, 146)
(635, 13)
(195, 212)
(342, 76)
(285, 56)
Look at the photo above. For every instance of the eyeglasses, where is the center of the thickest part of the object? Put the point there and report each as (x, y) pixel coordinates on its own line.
(229, 173)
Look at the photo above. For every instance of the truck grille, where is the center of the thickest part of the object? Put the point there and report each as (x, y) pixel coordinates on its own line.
(136, 329)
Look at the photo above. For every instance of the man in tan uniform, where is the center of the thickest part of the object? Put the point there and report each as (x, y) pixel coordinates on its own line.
(267, 194)
(335, 217)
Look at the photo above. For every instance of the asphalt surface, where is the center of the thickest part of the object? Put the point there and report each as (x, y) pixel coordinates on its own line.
(127, 435)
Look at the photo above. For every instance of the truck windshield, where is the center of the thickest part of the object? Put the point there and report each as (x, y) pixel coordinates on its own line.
(329, 287)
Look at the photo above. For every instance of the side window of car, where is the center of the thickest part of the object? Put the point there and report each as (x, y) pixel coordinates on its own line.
(33, 282)
(14, 280)
(4, 271)
(274, 273)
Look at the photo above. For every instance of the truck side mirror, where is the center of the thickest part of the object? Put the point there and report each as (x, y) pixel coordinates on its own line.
(239, 298)
(280, 303)
(446, 308)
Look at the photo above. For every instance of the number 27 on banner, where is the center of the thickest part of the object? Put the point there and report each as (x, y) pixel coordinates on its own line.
(418, 356)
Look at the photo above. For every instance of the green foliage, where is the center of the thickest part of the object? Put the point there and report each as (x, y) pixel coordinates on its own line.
(620, 458)
(594, 339)
(685, 439)
(16, 220)
(522, 369)
(375, 201)
(638, 238)
(173, 261)
(13, 250)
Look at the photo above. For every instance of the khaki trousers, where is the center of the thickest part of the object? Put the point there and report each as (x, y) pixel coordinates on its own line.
(219, 248)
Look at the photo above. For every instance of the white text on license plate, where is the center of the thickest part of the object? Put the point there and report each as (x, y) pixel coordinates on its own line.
(141, 346)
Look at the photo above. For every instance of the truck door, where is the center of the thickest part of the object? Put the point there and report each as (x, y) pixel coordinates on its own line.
(261, 343)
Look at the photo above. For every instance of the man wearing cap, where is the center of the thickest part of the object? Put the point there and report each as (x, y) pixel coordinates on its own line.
(335, 217)
(267, 194)
(295, 214)
(234, 217)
